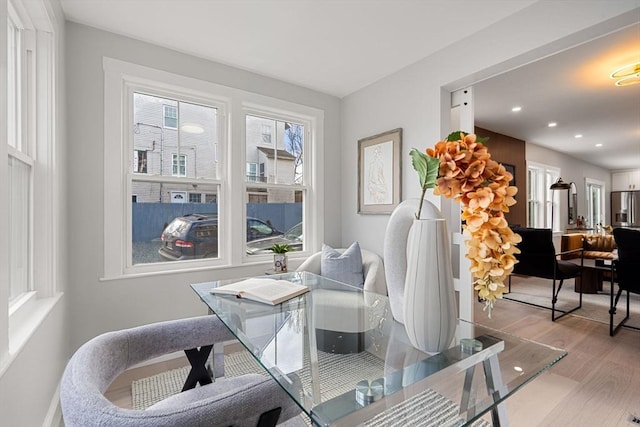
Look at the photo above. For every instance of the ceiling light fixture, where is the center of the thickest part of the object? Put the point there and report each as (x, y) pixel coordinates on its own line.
(598, 145)
(627, 75)
(552, 124)
(192, 128)
(516, 109)
(578, 135)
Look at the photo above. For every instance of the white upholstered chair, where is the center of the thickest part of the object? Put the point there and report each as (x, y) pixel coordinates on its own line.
(372, 269)
(342, 317)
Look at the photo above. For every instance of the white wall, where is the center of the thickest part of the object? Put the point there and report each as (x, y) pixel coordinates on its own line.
(98, 306)
(572, 169)
(29, 384)
(412, 98)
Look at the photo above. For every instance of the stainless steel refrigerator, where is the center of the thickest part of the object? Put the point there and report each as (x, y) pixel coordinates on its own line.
(625, 208)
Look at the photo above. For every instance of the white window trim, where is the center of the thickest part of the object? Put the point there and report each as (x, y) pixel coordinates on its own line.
(233, 102)
(587, 182)
(19, 322)
(164, 116)
(545, 210)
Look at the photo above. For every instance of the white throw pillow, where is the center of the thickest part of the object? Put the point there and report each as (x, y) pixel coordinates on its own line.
(344, 267)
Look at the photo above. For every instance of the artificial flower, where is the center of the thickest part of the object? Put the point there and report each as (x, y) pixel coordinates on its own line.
(461, 168)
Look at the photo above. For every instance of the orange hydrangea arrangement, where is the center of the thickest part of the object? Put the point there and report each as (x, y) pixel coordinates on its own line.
(460, 167)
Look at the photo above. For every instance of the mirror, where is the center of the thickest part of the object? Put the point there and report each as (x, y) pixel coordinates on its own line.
(572, 203)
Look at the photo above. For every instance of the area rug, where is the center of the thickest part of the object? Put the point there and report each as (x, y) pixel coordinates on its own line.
(148, 391)
(534, 290)
(428, 408)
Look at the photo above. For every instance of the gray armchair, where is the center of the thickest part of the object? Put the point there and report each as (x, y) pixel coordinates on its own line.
(238, 401)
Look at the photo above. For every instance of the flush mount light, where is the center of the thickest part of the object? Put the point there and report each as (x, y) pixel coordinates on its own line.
(598, 145)
(627, 75)
(192, 128)
(552, 124)
(578, 135)
(516, 109)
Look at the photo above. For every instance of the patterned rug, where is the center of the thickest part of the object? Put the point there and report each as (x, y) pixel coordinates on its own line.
(534, 290)
(428, 408)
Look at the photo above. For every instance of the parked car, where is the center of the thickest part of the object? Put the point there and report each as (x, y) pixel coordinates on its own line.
(195, 236)
(292, 237)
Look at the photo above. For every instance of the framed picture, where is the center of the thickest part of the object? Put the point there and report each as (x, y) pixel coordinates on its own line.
(380, 172)
(512, 170)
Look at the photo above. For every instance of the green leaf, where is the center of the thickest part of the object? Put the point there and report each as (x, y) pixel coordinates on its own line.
(455, 136)
(280, 248)
(426, 166)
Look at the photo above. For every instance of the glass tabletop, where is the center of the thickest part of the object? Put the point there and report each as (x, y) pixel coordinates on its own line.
(339, 354)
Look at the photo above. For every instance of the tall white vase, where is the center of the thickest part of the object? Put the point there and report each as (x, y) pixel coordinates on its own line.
(429, 305)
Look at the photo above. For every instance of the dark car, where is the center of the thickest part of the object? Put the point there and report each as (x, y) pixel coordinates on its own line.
(195, 236)
(292, 237)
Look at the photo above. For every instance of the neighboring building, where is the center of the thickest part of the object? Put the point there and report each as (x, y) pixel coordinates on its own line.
(178, 139)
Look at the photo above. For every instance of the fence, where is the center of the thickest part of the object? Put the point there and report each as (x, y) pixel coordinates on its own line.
(149, 219)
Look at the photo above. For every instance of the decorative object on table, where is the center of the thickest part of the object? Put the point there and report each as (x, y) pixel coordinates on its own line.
(280, 257)
(380, 172)
(465, 172)
(429, 297)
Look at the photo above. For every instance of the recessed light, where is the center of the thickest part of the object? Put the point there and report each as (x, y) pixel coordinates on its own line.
(516, 109)
(552, 124)
(579, 135)
(598, 145)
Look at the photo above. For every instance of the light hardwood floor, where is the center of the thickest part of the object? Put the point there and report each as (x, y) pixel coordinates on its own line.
(597, 384)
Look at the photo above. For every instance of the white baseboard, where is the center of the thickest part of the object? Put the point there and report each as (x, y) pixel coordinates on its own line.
(54, 413)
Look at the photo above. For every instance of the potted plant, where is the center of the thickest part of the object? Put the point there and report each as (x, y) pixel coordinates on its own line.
(280, 257)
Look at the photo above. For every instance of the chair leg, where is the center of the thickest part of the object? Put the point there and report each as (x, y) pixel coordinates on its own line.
(554, 300)
(612, 310)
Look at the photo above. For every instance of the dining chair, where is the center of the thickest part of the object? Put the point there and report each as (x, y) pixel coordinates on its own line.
(625, 270)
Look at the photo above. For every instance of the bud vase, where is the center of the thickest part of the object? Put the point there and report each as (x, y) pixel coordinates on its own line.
(280, 263)
(429, 305)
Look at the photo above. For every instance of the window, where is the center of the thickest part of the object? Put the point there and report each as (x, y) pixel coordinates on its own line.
(140, 161)
(542, 203)
(595, 217)
(179, 165)
(266, 134)
(28, 171)
(280, 168)
(170, 117)
(252, 172)
(205, 156)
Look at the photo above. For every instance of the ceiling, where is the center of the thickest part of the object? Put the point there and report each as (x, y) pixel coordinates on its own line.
(574, 90)
(339, 47)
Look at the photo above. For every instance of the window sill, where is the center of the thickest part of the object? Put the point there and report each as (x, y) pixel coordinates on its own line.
(261, 264)
(24, 322)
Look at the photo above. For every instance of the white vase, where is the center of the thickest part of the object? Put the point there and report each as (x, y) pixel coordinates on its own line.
(429, 305)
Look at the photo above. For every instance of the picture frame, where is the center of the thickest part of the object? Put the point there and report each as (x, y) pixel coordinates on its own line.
(380, 172)
(512, 170)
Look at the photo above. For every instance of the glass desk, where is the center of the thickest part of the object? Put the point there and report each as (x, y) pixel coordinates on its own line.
(339, 354)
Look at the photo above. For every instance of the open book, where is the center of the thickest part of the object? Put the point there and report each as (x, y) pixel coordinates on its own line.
(268, 291)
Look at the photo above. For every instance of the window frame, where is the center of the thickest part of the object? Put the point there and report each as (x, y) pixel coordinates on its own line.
(544, 174)
(177, 167)
(231, 180)
(277, 115)
(588, 183)
(165, 107)
(36, 119)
